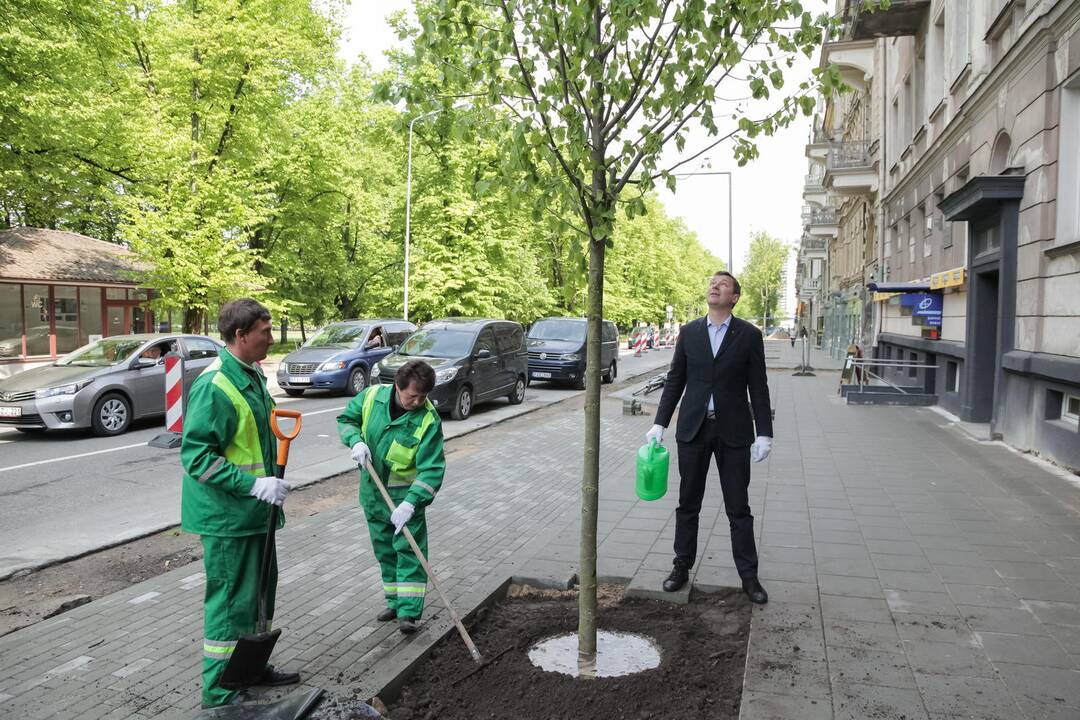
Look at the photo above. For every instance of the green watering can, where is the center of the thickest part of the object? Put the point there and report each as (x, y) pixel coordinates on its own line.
(652, 471)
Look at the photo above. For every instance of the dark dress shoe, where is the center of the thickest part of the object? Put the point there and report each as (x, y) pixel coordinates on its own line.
(272, 677)
(387, 614)
(407, 625)
(754, 591)
(678, 577)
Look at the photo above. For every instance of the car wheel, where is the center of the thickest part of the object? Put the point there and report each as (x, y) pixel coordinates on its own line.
(462, 404)
(112, 415)
(293, 392)
(611, 374)
(517, 395)
(358, 380)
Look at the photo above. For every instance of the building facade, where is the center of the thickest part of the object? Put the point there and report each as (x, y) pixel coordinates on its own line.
(971, 242)
(60, 290)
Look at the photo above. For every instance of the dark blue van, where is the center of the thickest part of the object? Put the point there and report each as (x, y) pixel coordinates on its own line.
(339, 357)
(557, 351)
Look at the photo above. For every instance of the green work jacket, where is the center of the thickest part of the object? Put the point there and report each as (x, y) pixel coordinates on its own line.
(227, 444)
(407, 452)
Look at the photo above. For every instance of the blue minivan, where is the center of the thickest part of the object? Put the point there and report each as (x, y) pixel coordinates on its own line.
(557, 350)
(339, 357)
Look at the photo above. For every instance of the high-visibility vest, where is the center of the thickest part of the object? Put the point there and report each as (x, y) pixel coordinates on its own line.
(244, 450)
(400, 459)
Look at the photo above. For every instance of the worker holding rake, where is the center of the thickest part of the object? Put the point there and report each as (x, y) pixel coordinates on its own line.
(228, 453)
(396, 429)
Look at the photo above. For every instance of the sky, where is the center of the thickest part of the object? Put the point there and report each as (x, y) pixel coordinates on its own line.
(766, 194)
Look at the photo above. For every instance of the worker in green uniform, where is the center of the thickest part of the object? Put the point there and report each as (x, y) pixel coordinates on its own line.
(228, 453)
(396, 428)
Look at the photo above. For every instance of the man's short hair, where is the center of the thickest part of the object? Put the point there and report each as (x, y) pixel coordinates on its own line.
(415, 371)
(240, 314)
(738, 288)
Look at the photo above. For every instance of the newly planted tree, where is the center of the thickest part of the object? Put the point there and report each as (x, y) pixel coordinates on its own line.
(597, 90)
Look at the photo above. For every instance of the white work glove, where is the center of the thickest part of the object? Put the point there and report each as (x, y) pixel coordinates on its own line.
(360, 454)
(655, 433)
(270, 490)
(401, 515)
(761, 448)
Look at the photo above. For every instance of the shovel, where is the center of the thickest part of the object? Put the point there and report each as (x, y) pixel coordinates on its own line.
(252, 652)
(427, 568)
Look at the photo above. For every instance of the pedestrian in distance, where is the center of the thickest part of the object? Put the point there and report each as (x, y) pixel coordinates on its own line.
(718, 360)
(229, 454)
(397, 429)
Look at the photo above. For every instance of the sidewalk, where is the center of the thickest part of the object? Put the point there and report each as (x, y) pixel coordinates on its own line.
(912, 572)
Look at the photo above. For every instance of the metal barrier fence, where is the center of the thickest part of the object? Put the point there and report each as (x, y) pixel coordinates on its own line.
(864, 368)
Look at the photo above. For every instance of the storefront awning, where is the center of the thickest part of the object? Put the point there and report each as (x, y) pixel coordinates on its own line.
(885, 287)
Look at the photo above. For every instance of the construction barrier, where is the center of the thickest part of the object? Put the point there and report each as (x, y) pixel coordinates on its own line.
(174, 403)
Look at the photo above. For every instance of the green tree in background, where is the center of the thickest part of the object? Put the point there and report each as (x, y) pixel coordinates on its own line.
(596, 90)
(761, 282)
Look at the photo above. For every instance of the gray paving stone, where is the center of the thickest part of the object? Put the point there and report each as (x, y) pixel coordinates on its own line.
(853, 701)
(904, 580)
(1042, 684)
(1055, 613)
(952, 659)
(969, 697)
(869, 667)
(854, 608)
(844, 586)
(776, 706)
(1025, 650)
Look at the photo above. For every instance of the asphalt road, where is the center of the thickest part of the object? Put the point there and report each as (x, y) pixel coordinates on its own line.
(64, 494)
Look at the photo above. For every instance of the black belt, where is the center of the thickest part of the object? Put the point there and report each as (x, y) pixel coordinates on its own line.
(710, 415)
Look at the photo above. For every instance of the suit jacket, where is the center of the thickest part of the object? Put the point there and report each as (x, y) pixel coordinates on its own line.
(735, 377)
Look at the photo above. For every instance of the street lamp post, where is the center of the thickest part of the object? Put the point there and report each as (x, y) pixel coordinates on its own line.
(731, 212)
(408, 204)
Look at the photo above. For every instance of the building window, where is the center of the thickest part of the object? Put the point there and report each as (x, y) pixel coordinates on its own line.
(911, 248)
(11, 325)
(1070, 408)
(957, 50)
(913, 371)
(1068, 195)
(952, 376)
(36, 312)
(89, 314)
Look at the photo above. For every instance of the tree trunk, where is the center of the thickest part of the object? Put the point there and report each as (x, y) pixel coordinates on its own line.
(193, 320)
(590, 477)
(303, 331)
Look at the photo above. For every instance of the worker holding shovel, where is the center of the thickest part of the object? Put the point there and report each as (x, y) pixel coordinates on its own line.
(396, 429)
(228, 454)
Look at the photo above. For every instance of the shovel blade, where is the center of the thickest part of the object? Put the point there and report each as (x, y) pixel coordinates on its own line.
(248, 660)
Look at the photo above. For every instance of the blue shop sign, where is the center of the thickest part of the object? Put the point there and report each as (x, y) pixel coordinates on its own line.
(925, 306)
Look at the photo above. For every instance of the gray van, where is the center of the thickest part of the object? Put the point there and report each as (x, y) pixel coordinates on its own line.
(557, 351)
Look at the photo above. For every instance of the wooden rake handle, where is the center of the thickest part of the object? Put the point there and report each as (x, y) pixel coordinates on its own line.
(427, 568)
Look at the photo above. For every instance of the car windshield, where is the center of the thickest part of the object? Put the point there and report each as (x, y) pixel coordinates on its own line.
(342, 336)
(102, 353)
(438, 343)
(558, 330)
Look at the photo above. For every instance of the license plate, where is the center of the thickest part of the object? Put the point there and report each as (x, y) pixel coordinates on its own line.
(541, 375)
(300, 380)
(7, 411)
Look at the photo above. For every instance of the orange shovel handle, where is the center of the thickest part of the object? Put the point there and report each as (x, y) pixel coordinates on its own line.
(285, 438)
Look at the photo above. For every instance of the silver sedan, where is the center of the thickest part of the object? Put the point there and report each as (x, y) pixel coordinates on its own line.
(104, 385)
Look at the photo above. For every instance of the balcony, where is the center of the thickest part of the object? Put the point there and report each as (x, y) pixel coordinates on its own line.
(810, 244)
(903, 17)
(854, 58)
(851, 168)
(813, 190)
(820, 221)
(818, 145)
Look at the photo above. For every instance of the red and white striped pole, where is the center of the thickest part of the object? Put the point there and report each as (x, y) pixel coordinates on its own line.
(174, 393)
(174, 403)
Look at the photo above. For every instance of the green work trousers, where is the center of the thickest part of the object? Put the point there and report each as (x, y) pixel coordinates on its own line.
(404, 579)
(231, 605)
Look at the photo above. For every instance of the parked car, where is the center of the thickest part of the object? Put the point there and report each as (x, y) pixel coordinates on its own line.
(339, 357)
(474, 360)
(557, 350)
(104, 385)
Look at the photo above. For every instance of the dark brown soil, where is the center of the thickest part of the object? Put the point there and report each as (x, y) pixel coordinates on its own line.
(703, 654)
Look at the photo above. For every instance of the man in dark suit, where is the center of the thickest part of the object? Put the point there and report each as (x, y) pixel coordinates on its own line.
(719, 360)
